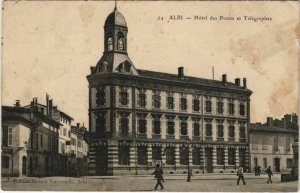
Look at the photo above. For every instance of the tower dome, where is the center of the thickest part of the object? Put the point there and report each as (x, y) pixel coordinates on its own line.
(115, 19)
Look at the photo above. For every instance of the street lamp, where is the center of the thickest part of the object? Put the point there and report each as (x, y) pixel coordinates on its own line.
(188, 159)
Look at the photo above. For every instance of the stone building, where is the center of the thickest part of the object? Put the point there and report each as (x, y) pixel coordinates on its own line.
(271, 143)
(138, 118)
(29, 142)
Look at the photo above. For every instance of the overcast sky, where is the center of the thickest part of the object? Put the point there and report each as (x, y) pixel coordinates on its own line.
(48, 47)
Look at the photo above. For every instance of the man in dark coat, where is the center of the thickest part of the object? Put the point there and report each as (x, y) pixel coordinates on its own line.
(190, 174)
(269, 172)
(258, 170)
(158, 174)
(255, 170)
(240, 175)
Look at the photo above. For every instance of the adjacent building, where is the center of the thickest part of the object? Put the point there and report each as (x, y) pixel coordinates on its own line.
(138, 118)
(29, 142)
(271, 143)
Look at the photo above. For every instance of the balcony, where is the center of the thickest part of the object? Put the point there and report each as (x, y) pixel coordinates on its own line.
(231, 139)
(208, 138)
(156, 136)
(196, 138)
(170, 137)
(142, 135)
(184, 137)
(124, 134)
(220, 139)
(242, 139)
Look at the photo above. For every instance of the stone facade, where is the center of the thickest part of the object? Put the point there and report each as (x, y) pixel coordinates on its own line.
(271, 144)
(138, 118)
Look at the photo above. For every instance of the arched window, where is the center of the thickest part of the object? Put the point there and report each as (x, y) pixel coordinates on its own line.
(126, 66)
(109, 44)
(120, 41)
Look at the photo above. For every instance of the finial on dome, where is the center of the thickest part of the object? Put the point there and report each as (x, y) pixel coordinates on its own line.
(115, 5)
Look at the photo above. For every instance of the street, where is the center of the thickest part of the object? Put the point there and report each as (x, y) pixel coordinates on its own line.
(173, 183)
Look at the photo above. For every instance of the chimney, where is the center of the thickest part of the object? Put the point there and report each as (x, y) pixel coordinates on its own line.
(270, 121)
(224, 78)
(50, 107)
(181, 72)
(244, 83)
(286, 120)
(92, 68)
(17, 103)
(237, 81)
(47, 104)
(78, 125)
(295, 118)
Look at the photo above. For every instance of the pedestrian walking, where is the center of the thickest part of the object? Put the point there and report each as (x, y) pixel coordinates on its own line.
(270, 173)
(158, 174)
(258, 170)
(240, 174)
(190, 174)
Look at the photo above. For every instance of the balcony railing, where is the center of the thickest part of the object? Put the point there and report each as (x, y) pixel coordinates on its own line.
(242, 139)
(124, 134)
(208, 138)
(142, 135)
(156, 136)
(196, 138)
(170, 136)
(231, 139)
(220, 139)
(184, 137)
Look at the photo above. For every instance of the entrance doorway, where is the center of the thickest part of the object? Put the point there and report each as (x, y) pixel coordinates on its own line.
(24, 165)
(208, 157)
(277, 164)
(101, 161)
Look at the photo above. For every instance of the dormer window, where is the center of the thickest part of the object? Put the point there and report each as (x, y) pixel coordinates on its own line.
(109, 44)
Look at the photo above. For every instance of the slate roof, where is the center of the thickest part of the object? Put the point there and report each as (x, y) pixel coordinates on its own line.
(115, 18)
(270, 129)
(190, 80)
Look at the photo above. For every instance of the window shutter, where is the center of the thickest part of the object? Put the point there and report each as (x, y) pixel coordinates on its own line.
(127, 98)
(145, 100)
(138, 99)
(159, 98)
(145, 126)
(120, 94)
(5, 136)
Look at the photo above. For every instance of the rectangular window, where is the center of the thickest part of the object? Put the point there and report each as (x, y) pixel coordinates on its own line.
(183, 156)
(156, 101)
(10, 136)
(242, 132)
(156, 128)
(183, 105)
(5, 162)
(196, 129)
(231, 156)
(142, 126)
(289, 163)
(4, 136)
(183, 128)
(170, 156)
(65, 132)
(123, 155)
(142, 155)
(41, 140)
(142, 100)
(208, 131)
(265, 162)
(124, 98)
(156, 153)
(220, 156)
(287, 145)
(124, 125)
(220, 107)
(220, 131)
(170, 101)
(196, 156)
(170, 127)
(231, 131)
(208, 106)
(242, 109)
(100, 123)
(196, 105)
(100, 96)
(231, 107)
(275, 143)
